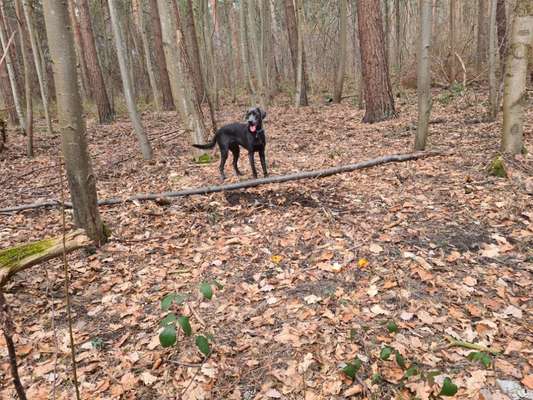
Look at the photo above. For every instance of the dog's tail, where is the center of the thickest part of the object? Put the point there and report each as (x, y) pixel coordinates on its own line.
(209, 145)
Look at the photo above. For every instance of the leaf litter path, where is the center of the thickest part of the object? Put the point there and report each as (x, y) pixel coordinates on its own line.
(448, 250)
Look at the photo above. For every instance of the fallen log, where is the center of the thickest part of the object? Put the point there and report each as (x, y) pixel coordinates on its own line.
(321, 173)
(18, 258)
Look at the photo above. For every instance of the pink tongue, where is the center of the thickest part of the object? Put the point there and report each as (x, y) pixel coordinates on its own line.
(252, 128)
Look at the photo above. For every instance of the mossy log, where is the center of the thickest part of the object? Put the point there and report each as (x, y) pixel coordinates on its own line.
(18, 258)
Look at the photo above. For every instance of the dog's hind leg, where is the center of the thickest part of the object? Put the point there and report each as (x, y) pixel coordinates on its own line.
(263, 161)
(235, 150)
(223, 158)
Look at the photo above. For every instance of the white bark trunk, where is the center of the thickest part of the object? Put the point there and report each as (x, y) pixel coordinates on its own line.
(146, 149)
(515, 77)
(424, 74)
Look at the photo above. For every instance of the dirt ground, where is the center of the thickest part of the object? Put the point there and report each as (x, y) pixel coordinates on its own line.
(312, 271)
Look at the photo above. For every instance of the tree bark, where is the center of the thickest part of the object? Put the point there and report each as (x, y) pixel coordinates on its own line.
(19, 258)
(398, 50)
(86, 88)
(245, 51)
(159, 54)
(501, 21)
(378, 95)
(386, 29)
(146, 149)
(181, 77)
(300, 64)
(28, 87)
(210, 55)
(514, 96)
(80, 177)
(156, 94)
(481, 53)
(424, 74)
(292, 30)
(453, 64)
(227, 26)
(494, 102)
(41, 76)
(343, 42)
(105, 111)
(254, 25)
(7, 96)
(191, 40)
(11, 70)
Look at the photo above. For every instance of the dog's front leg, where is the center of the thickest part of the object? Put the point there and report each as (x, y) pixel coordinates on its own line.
(252, 163)
(263, 161)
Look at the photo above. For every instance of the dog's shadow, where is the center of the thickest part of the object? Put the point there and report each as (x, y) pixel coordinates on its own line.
(272, 199)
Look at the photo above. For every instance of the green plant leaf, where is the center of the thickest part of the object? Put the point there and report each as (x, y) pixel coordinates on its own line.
(169, 319)
(448, 388)
(203, 345)
(399, 359)
(350, 369)
(219, 285)
(385, 353)
(171, 298)
(167, 337)
(392, 327)
(185, 325)
(411, 371)
(204, 159)
(483, 358)
(376, 378)
(206, 290)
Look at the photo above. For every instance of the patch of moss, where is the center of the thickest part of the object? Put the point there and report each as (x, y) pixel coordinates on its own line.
(497, 168)
(204, 159)
(11, 256)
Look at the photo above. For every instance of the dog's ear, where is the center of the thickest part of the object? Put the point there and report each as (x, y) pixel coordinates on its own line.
(262, 112)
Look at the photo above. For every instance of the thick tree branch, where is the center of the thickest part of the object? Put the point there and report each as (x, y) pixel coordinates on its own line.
(321, 173)
(18, 258)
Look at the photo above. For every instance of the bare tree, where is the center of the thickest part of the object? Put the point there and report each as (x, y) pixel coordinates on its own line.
(81, 179)
(378, 94)
(28, 87)
(501, 21)
(514, 94)
(193, 50)
(245, 51)
(343, 42)
(424, 74)
(164, 80)
(41, 76)
(86, 89)
(11, 70)
(494, 102)
(300, 64)
(156, 94)
(180, 72)
(146, 149)
(292, 30)
(481, 53)
(105, 112)
(453, 40)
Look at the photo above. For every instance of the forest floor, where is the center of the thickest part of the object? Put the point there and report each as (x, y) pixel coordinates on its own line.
(314, 272)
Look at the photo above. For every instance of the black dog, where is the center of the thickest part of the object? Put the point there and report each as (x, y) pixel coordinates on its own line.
(250, 135)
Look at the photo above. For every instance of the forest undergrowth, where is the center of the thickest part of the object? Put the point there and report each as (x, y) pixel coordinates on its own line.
(314, 274)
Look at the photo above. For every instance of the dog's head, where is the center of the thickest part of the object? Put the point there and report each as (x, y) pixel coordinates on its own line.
(254, 118)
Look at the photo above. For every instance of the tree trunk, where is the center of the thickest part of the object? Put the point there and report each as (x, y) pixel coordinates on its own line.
(7, 96)
(181, 77)
(86, 88)
(210, 55)
(358, 78)
(11, 71)
(156, 94)
(424, 74)
(41, 75)
(146, 149)
(343, 42)
(300, 63)
(501, 21)
(267, 54)
(494, 101)
(245, 51)
(378, 94)
(398, 50)
(105, 112)
(28, 87)
(159, 54)
(81, 179)
(229, 39)
(453, 64)
(481, 53)
(514, 96)
(386, 20)
(191, 40)
(292, 30)
(254, 25)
